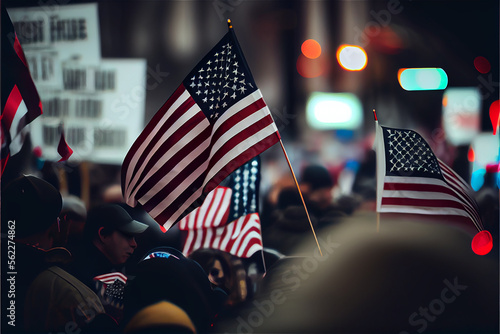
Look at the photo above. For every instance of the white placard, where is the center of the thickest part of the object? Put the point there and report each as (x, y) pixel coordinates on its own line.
(101, 122)
(53, 35)
(461, 114)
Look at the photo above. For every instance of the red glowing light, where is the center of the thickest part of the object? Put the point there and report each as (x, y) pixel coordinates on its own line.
(482, 243)
(482, 64)
(311, 68)
(471, 156)
(311, 49)
(37, 152)
(494, 115)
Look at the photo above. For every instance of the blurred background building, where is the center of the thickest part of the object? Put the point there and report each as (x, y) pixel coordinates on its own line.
(321, 96)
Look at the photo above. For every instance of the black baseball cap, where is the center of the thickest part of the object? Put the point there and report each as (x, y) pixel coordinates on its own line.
(32, 203)
(113, 217)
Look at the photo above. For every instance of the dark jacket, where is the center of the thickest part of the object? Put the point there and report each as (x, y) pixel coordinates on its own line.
(57, 301)
(88, 264)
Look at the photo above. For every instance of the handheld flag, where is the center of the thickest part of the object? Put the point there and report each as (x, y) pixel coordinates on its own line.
(213, 123)
(228, 219)
(63, 148)
(411, 179)
(21, 103)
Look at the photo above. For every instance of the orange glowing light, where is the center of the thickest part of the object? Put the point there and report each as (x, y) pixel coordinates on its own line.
(445, 98)
(311, 49)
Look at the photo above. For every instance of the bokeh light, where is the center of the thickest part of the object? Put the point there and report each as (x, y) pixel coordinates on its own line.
(494, 115)
(352, 57)
(327, 111)
(477, 179)
(471, 155)
(482, 243)
(422, 78)
(311, 68)
(311, 49)
(482, 64)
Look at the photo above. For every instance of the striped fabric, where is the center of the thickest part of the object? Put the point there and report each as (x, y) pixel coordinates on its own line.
(213, 212)
(110, 278)
(213, 123)
(21, 103)
(241, 237)
(411, 179)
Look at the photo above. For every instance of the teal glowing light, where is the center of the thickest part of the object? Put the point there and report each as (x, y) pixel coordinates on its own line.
(422, 78)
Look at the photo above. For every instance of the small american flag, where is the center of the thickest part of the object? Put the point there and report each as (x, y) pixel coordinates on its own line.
(213, 123)
(21, 103)
(233, 225)
(110, 278)
(411, 179)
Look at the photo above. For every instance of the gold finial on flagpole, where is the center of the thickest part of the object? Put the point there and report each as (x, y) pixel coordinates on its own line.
(229, 24)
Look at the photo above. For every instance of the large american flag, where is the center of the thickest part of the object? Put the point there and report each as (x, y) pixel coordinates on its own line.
(213, 123)
(411, 179)
(21, 103)
(228, 219)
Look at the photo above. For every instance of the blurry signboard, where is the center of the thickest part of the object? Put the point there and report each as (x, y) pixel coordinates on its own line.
(102, 111)
(53, 35)
(461, 114)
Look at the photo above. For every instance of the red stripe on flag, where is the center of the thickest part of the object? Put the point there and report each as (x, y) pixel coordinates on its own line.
(19, 51)
(241, 237)
(147, 130)
(248, 154)
(11, 106)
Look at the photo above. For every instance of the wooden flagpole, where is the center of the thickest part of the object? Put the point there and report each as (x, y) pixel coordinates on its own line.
(378, 213)
(301, 197)
(230, 26)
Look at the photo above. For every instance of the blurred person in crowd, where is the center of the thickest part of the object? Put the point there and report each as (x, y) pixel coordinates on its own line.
(290, 226)
(224, 271)
(317, 183)
(108, 243)
(217, 266)
(47, 298)
(154, 236)
(411, 276)
(69, 232)
(176, 285)
(270, 199)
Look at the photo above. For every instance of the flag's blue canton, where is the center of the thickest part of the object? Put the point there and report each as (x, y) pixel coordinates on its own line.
(245, 185)
(221, 79)
(407, 153)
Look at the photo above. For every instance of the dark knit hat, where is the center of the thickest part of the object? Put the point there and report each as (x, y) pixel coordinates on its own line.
(317, 177)
(33, 203)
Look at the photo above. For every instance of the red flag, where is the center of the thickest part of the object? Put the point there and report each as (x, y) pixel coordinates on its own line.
(21, 103)
(63, 148)
(411, 179)
(213, 123)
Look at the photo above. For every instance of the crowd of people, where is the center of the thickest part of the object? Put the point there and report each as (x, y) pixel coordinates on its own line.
(111, 269)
